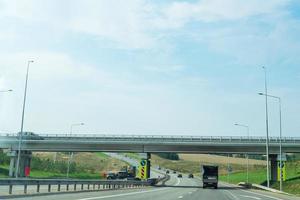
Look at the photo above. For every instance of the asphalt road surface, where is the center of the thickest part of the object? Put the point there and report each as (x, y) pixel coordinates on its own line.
(176, 188)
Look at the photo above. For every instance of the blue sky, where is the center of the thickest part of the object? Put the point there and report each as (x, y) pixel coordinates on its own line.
(150, 67)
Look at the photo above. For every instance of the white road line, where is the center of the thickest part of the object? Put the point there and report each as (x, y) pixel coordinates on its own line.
(128, 194)
(259, 194)
(231, 194)
(180, 197)
(251, 197)
(123, 194)
(178, 182)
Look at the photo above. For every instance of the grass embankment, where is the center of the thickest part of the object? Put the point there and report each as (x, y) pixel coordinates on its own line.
(4, 169)
(291, 185)
(255, 176)
(83, 166)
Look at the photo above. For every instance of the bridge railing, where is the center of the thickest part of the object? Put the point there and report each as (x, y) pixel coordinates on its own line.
(163, 138)
(83, 184)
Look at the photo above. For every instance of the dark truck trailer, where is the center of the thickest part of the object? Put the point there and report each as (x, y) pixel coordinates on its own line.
(210, 176)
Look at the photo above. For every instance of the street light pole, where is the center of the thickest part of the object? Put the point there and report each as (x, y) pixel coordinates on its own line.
(247, 127)
(71, 154)
(22, 123)
(280, 144)
(267, 128)
(280, 135)
(72, 125)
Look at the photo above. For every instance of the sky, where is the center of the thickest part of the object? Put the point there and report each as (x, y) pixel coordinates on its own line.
(150, 67)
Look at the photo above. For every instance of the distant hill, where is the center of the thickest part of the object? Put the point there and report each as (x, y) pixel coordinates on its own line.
(215, 159)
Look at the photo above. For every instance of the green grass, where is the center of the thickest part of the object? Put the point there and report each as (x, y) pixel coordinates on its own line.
(291, 185)
(102, 155)
(4, 169)
(42, 174)
(257, 176)
(83, 175)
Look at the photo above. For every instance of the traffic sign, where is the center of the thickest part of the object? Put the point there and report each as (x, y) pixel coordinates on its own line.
(283, 166)
(143, 162)
(143, 169)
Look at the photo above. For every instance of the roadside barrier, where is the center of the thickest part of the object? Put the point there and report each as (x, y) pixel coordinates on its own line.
(75, 183)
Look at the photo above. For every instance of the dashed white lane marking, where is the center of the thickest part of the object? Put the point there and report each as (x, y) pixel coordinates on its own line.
(190, 192)
(251, 197)
(180, 197)
(231, 194)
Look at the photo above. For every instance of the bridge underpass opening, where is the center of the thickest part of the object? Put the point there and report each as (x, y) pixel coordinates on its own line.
(27, 155)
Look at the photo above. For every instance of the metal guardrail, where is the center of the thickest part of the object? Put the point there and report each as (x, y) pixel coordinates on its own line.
(104, 184)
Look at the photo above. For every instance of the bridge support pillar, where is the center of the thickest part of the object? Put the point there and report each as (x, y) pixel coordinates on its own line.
(25, 160)
(13, 161)
(274, 164)
(149, 165)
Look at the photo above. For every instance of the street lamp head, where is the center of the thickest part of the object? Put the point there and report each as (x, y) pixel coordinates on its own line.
(81, 124)
(31, 61)
(236, 124)
(260, 93)
(10, 90)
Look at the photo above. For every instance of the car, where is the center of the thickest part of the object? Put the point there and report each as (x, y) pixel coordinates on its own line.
(111, 176)
(133, 179)
(167, 172)
(30, 136)
(179, 175)
(191, 176)
(152, 181)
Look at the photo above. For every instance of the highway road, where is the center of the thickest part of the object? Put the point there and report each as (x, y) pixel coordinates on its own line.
(176, 188)
(153, 174)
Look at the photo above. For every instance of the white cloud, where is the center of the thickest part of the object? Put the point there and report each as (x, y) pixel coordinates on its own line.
(122, 22)
(179, 13)
(133, 23)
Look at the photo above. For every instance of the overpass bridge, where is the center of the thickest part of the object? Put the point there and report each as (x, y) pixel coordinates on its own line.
(149, 143)
(143, 144)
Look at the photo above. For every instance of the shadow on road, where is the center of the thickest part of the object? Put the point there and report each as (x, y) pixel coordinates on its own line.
(198, 187)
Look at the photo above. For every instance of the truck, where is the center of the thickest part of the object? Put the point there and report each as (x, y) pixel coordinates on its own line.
(126, 172)
(210, 176)
(122, 174)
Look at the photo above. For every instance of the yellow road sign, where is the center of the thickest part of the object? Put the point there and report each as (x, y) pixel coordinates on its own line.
(283, 171)
(143, 169)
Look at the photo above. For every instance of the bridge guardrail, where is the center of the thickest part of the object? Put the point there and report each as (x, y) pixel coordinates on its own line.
(154, 138)
(103, 184)
(11, 140)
